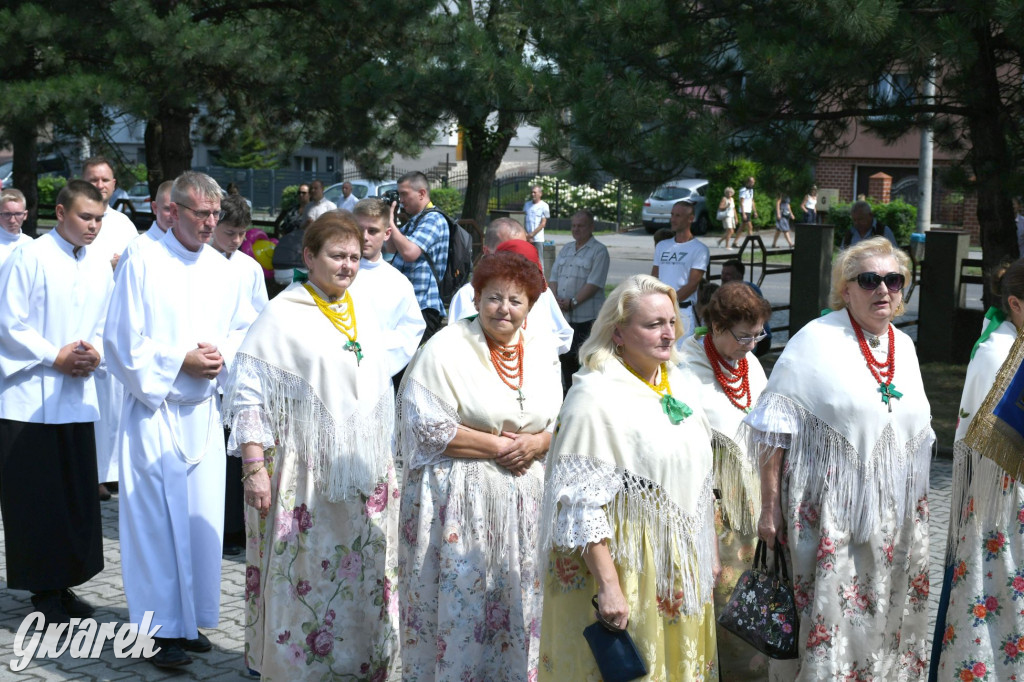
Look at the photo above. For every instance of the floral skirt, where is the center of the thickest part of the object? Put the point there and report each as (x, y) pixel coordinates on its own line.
(675, 647)
(320, 582)
(984, 636)
(471, 596)
(863, 607)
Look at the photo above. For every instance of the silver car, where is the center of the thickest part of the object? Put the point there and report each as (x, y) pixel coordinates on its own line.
(658, 207)
(360, 190)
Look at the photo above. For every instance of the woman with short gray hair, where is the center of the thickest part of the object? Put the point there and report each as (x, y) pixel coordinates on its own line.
(843, 437)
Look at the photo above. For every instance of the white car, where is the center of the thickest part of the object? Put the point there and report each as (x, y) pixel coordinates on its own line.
(138, 196)
(658, 207)
(360, 190)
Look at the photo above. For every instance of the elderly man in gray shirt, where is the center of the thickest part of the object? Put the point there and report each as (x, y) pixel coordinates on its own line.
(577, 280)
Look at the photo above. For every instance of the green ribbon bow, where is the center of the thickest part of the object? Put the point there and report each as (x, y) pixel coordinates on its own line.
(889, 391)
(355, 348)
(995, 317)
(676, 410)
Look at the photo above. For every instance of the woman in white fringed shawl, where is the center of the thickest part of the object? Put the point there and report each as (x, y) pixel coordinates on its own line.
(628, 511)
(475, 418)
(311, 409)
(721, 361)
(975, 624)
(843, 435)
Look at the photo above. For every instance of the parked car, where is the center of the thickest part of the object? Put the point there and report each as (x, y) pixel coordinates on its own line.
(138, 196)
(360, 189)
(46, 166)
(658, 207)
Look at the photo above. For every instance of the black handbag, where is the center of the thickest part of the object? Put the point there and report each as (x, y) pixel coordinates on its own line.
(761, 610)
(617, 656)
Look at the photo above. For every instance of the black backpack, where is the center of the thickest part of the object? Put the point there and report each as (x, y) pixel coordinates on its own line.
(288, 252)
(460, 259)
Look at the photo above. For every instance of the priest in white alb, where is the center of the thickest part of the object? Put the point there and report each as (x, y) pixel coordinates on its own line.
(176, 318)
(53, 297)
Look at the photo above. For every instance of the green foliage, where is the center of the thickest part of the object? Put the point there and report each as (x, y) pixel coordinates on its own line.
(289, 197)
(900, 216)
(448, 200)
(48, 189)
(604, 203)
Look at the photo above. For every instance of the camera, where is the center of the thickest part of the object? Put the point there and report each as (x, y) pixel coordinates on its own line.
(390, 196)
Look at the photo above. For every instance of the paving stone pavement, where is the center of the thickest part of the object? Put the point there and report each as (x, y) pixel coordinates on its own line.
(224, 662)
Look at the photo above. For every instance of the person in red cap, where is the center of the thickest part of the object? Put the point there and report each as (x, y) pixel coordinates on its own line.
(507, 234)
(577, 280)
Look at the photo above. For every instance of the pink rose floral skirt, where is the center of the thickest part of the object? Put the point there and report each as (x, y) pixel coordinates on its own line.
(320, 582)
(863, 607)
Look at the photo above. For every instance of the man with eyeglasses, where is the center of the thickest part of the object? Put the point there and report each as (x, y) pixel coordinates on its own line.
(178, 314)
(118, 229)
(12, 216)
(864, 226)
(317, 204)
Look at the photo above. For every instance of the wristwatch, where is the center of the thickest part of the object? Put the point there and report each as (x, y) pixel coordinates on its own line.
(573, 303)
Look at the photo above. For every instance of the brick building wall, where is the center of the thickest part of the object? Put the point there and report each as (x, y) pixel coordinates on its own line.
(838, 173)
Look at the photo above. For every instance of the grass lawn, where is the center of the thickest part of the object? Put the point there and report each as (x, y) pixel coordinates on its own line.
(943, 384)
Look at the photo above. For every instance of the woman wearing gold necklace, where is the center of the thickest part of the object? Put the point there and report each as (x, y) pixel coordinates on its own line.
(475, 415)
(628, 511)
(311, 408)
(843, 437)
(720, 360)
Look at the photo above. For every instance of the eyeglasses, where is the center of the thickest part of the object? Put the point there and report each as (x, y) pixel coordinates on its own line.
(746, 340)
(7, 215)
(869, 281)
(203, 216)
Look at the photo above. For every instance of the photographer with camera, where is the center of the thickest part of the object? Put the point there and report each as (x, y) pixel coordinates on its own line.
(424, 237)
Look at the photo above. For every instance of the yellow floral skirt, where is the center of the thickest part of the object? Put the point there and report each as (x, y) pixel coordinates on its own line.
(674, 647)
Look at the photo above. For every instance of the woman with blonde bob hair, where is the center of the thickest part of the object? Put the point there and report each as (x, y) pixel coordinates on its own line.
(628, 502)
(842, 435)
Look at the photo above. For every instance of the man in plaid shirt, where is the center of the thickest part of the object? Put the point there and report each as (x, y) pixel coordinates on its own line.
(425, 235)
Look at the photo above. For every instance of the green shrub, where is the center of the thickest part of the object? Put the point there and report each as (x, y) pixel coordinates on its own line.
(603, 203)
(289, 197)
(900, 216)
(48, 188)
(449, 200)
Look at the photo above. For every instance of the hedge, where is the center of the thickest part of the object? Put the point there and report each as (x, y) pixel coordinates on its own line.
(900, 216)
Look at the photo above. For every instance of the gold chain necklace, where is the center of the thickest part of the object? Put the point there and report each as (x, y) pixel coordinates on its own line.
(344, 320)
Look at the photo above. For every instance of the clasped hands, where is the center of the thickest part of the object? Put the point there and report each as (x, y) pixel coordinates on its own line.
(203, 362)
(77, 359)
(518, 450)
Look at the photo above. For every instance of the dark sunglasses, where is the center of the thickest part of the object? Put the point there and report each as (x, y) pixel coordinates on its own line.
(869, 281)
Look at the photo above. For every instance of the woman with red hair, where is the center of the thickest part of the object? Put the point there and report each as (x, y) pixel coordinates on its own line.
(475, 417)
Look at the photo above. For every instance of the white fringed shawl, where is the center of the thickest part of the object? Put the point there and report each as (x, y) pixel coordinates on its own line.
(451, 382)
(735, 475)
(845, 449)
(337, 417)
(987, 467)
(620, 469)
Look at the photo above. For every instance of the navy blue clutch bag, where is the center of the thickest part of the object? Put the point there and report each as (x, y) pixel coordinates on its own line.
(617, 656)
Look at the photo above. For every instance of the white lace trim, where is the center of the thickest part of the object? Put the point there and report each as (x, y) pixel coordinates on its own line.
(824, 465)
(250, 425)
(638, 510)
(427, 424)
(347, 458)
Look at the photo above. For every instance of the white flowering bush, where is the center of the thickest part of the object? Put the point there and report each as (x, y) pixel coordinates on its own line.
(603, 203)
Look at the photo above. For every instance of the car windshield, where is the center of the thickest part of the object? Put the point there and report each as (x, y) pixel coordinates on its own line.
(670, 193)
(139, 190)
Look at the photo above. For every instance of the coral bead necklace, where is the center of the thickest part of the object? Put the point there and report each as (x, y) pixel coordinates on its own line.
(883, 372)
(736, 385)
(508, 363)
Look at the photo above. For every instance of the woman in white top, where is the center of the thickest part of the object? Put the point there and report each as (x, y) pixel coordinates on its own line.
(727, 214)
(809, 205)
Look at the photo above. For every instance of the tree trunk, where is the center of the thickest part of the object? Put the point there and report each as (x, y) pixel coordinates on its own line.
(484, 152)
(168, 145)
(991, 161)
(25, 175)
